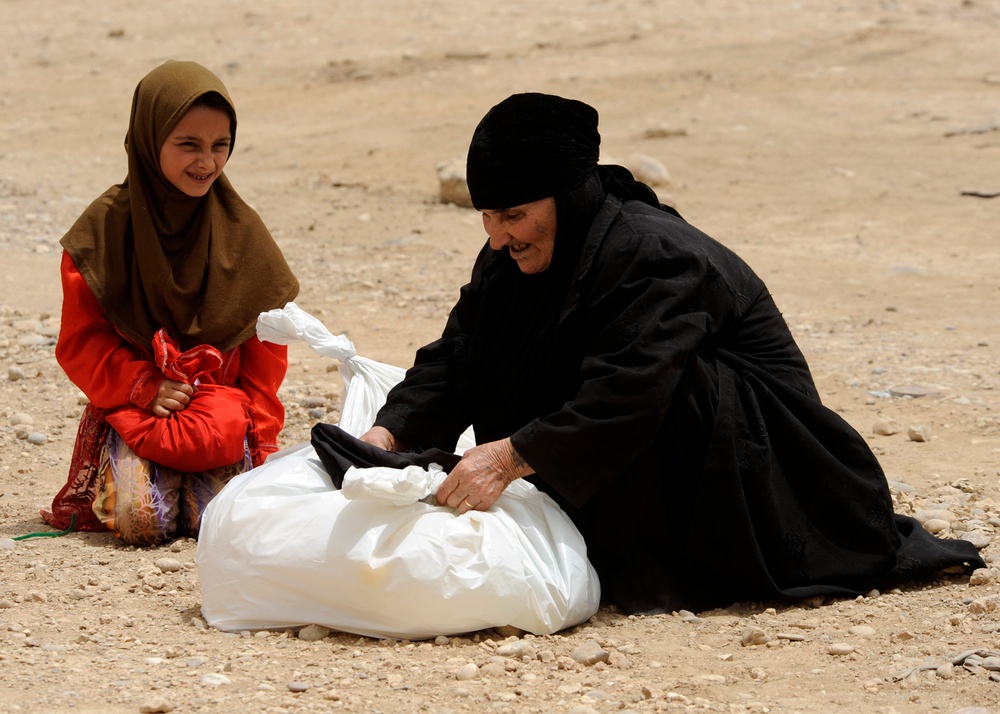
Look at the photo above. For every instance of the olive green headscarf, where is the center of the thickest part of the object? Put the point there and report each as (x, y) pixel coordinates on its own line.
(203, 268)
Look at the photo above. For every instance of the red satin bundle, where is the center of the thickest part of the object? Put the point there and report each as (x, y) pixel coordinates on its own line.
(206, 434)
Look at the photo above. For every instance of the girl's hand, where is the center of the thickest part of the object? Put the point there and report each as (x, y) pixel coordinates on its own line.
(171, 397)
(481, 476)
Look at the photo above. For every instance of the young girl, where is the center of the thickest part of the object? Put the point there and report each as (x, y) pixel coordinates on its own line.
(163, 279)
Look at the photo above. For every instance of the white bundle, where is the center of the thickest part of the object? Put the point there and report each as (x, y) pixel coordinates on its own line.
(281, 547)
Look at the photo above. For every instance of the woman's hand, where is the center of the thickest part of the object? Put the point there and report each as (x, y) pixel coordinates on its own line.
(382, 438)
(171, 397)
(481, 476)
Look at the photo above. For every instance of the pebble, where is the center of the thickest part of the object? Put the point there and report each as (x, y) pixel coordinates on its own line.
(972, 710)
(518, 650)
(925, 515)
(15, 373)
(37, 438)
(912, 390)
(7, 544)
(980, 540)
(157, 706)
(466, 672)
(21, 418)
(168, 565)
(982, 576)
(790, 636)
(453, 187)
(886, 428)
(298, 686)
(936, 525)
(313, 633)
(754, 636)
(862, 630)
(647, 169)
(919, 433)
(840, 648)
(215, 680)
(589, 653)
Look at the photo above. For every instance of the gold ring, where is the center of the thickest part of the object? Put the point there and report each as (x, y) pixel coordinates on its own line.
(466, 502)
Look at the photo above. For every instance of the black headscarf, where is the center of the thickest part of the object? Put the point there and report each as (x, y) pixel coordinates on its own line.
(532, 146)
(529, 147)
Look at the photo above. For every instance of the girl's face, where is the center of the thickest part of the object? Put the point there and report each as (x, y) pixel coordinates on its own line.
(528, 231)
(196, 151)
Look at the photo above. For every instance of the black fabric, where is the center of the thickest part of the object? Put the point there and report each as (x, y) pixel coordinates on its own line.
(339, 451)
(529, 147)
(662, 401)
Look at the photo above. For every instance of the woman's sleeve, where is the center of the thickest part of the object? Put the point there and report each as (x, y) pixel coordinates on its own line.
(262, 369)
(643, 332)
(111, 371)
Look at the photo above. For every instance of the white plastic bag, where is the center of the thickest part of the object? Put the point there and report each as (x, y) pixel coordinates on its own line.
(281, 547)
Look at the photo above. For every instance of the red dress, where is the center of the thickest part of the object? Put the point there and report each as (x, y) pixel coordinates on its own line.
(114, 372)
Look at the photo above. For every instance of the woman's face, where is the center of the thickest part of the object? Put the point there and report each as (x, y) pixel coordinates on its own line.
(196, 151)
(528, 231)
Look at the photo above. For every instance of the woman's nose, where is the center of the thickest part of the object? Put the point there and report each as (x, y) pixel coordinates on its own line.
(499, 238)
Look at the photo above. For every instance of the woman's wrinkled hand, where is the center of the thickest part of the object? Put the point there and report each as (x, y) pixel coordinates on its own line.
(171, 397)
(382, 438)
(481, 476)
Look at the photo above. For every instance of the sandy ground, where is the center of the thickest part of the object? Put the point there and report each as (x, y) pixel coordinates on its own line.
(839, 147)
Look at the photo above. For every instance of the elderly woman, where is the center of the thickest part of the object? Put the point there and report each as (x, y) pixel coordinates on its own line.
(641, 374)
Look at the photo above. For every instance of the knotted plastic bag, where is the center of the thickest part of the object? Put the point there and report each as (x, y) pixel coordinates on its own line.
(280, 546)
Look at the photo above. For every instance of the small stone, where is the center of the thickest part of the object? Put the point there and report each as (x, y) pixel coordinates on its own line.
(840, 649)
(925, 515)
(754, 636)
(983, 605)
(158, 705)
(215, 680)
(936, 525)
(647, 169)
(862, 630)
(15, 373)
(981, 576)
(886, 428)
(790, 636)
(37, 438)
(589, 653)
(466, 672)
(7, 544)
(313, 633)
(946, 671)
(978, 539)
(298, 686)
(168, 565)
(517, 650)
(919, 433)
(912, 390)
(21, 418)
(453, 187)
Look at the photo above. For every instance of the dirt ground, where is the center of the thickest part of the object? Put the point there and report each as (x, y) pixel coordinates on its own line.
(847, 150)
